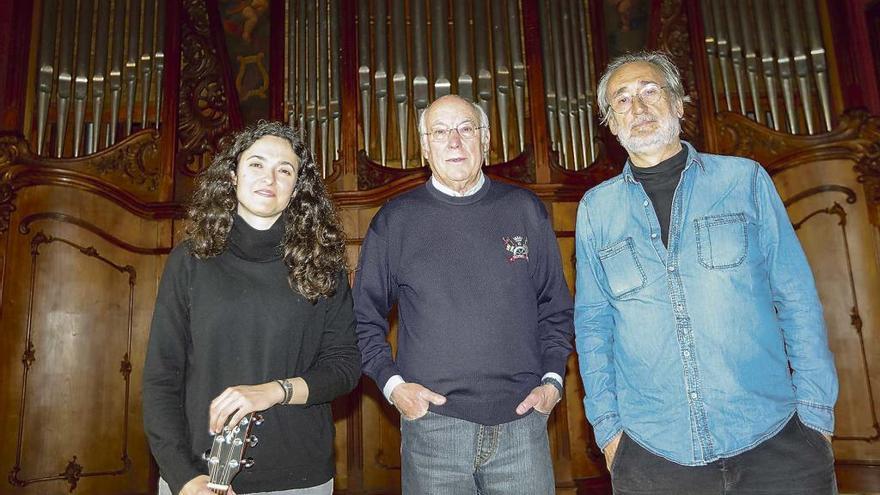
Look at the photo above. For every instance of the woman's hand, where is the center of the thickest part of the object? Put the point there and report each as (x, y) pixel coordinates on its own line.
(199, 486)
(240, 401)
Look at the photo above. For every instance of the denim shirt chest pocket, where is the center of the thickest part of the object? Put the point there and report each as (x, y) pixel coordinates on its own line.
(722, 240)
(622, 269)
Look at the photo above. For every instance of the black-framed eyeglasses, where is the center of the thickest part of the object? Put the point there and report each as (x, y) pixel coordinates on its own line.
(467, 130)
(648, 94)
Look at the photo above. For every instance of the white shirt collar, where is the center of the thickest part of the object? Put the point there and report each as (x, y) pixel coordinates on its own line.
(450, 192)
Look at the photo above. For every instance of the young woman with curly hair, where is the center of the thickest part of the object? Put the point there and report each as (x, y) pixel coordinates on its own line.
(254, 313)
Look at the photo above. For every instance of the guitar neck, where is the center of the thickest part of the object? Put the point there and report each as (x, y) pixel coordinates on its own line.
(227, 451)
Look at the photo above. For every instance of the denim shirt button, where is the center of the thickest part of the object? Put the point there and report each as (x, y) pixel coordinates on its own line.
(645, 203)
(670, 268)
(687, 353)
(653, 235)
(694, 395)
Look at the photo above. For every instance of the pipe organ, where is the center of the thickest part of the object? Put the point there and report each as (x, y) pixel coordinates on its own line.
(105, 59)
(423, 50)
(116, 105)
(768, 62)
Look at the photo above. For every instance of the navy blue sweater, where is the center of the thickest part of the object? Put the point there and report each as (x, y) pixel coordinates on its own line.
(484, 310)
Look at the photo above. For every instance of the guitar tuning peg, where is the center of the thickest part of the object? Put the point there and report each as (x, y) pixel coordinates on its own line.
(258, 419)
(247, 463)
(252, 441)
(206, 455)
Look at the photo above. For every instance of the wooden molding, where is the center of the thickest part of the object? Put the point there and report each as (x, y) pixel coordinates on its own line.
(126, 173)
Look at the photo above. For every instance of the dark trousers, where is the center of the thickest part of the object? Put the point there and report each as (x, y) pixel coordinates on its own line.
(796, 461)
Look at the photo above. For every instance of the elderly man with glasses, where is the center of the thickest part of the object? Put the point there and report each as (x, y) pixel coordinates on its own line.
(702, 345)
(484, 318)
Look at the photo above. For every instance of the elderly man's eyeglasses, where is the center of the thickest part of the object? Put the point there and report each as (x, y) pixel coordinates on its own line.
(648, 94)
(467, 130)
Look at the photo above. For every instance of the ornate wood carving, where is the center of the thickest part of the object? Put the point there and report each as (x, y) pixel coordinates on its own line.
(7, 198)
(131, 162)
(204, 104)
(868, 167)
(127, 173)
(856, 138)
(675, 39)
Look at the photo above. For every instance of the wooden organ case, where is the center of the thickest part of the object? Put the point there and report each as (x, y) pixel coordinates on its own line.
(110, 108)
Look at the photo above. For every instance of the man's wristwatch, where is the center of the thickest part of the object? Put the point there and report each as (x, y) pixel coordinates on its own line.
(554, 382)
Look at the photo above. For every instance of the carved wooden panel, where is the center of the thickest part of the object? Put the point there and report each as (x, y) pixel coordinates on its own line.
(80, 280)
(829, 213)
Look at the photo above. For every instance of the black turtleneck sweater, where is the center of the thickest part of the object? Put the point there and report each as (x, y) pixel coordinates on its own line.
(233, 320)
(659, 183)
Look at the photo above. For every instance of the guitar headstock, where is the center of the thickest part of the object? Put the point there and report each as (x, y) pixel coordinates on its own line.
(225, 458)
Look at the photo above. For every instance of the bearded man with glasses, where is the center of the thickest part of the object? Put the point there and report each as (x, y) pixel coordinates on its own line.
(700, 335)
(484, 315)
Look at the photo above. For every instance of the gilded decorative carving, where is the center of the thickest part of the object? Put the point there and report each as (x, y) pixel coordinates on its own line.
(7, 197)
(868, 167)
(10, 149)
(675, 39)
(203, 111)
(9, 153)
(131, 161)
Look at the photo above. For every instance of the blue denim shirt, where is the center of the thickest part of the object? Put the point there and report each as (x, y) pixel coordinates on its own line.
(706, 348)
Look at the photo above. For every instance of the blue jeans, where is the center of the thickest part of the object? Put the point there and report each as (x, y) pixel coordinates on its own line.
(325, 489)
(795, 461)
(442, 455)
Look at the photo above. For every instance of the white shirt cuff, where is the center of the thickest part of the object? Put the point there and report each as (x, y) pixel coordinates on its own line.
(552, 375)
(393, 382)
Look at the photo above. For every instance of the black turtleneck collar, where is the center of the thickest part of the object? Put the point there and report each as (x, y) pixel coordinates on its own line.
(251, 244)
(670, 167)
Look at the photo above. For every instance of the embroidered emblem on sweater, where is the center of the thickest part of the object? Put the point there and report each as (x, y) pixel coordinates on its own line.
(517, 247)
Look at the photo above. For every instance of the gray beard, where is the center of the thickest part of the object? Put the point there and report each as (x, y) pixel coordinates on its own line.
(667, 133)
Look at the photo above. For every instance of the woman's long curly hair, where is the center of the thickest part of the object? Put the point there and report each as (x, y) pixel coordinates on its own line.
(314, 242)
